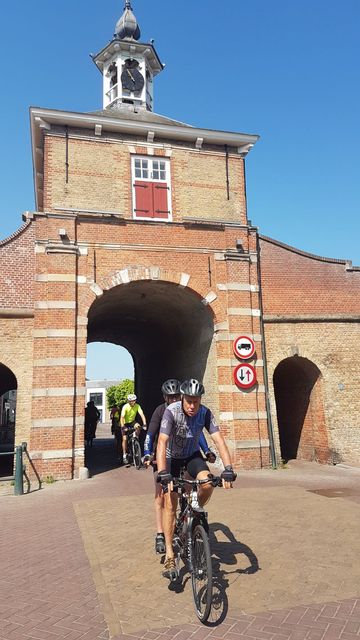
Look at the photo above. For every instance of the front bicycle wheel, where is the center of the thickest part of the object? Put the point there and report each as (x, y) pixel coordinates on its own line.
(201, 577)
(136, 453)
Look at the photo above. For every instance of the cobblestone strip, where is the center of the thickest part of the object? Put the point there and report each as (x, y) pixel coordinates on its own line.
(329, 621)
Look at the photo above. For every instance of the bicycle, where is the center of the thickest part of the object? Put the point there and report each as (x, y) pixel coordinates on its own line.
(191, 543)
(133, 448)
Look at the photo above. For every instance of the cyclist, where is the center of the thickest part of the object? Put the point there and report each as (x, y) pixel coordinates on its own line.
(177, 447)
(171, 392)
(128, 421)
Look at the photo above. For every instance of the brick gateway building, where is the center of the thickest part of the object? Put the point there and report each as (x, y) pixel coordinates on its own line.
(141, 238)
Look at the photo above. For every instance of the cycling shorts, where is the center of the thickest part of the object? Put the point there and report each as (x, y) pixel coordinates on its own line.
(127, 425)
(193, 465)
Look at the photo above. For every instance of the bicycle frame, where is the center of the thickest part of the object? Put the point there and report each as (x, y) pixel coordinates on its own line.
(191, 543)
(188, 516)
(132, 438)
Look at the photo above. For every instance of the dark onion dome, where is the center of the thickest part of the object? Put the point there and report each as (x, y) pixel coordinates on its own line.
(127, 26)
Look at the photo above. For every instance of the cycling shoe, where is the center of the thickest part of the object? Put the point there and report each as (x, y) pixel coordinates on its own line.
(159, 543)
(170, 570)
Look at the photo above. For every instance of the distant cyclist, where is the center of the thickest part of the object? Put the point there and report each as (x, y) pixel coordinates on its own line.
(178, 446)
(171, 392)
(128, 420)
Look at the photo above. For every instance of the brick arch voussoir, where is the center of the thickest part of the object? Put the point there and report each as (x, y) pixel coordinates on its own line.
(140, 272)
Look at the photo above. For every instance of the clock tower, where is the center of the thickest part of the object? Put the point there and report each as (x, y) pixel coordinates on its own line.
(128, 66)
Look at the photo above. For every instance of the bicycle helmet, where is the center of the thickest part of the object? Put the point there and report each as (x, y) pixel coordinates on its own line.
(131, 397)
(171, 387)
(192, 387)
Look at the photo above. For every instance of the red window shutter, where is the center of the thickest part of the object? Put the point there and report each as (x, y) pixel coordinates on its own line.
(143, 200)
(161, 200)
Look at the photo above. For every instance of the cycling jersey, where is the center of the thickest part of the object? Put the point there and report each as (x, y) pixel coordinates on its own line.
(129, 412)
(184, 431)
(153, 432)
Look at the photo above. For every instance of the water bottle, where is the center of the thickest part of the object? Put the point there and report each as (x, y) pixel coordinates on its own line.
(194, 499)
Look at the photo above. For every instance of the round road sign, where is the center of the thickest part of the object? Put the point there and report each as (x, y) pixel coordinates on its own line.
(244, 347)
(245, 376)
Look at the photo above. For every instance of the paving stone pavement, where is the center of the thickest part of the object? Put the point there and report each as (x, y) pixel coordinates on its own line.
(77, 558)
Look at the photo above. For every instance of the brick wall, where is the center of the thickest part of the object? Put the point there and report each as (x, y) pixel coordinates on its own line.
(339, 370)
(100, 178)
(296, 283)
(17, 262)
(326, 295)
(16, 353)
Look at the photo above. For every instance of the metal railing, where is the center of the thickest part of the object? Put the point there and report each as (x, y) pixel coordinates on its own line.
(20, 469)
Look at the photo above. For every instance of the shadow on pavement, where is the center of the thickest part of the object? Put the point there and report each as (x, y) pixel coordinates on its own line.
(101, 457)
(225, 553)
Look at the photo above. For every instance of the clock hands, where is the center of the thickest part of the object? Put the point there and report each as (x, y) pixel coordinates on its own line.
(131, 78)
(131, 75)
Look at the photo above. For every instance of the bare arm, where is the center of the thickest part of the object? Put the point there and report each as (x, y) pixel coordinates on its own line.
(219, 440)
(222, 447)
(161, 451)
(122, 418)
(141, 414)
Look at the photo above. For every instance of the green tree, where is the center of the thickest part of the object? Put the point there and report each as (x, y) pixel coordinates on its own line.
(110, 396)
(117, 394)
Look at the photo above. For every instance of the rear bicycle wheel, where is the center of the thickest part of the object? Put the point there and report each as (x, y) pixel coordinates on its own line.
(201, 577)
(136, 453)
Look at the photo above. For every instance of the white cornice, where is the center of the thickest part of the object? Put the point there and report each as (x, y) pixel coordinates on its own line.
(168, 131)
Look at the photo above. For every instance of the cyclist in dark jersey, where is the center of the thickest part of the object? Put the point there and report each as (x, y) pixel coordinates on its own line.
(178, 446)
(171, 392)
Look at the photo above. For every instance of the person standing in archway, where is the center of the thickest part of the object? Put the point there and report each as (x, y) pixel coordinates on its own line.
(115, 415)
(171, 392)
(128, 421)
(92, 417)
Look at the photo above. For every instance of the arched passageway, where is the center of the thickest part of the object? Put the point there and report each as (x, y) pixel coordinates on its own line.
(8, 387)
(166, 328)
(300, 410)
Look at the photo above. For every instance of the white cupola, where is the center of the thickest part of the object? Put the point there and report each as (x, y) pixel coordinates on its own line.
(128, 66)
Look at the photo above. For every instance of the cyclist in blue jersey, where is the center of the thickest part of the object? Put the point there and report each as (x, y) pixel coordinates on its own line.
(171, 392)
(178, 446)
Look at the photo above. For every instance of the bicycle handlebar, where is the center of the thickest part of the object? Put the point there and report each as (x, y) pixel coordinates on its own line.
(215, 480)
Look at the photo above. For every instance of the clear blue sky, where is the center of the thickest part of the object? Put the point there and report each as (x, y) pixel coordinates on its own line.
(287, 70)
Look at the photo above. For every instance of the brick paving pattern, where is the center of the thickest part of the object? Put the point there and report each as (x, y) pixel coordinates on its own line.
(77, 559)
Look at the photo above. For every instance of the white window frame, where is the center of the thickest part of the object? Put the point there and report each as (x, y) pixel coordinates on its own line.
(167, 181)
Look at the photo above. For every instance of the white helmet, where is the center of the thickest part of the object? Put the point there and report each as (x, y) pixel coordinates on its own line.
(131, 397)
(192, 387)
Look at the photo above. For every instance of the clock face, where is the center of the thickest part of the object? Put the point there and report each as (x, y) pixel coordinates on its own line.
(131, 78)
